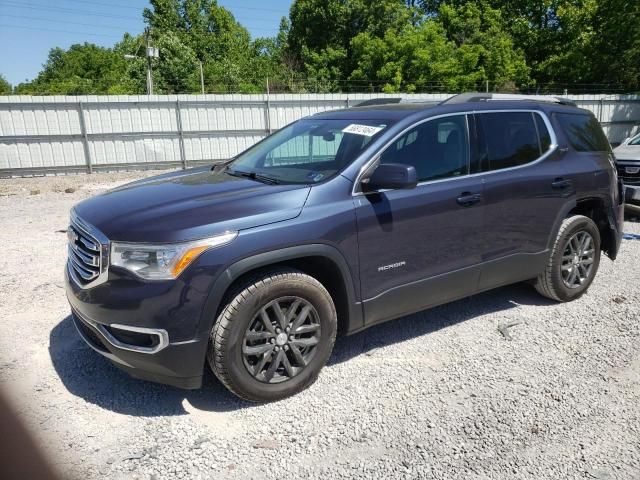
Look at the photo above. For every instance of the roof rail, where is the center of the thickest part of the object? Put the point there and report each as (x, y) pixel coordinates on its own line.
(379, 101)
(392, 100)
(488, 97)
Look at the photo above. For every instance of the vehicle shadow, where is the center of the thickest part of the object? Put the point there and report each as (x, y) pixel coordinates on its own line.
(93, 378)
(434, 319)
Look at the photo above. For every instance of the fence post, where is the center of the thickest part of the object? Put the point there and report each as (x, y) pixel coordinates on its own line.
(600, 108)
(85, 138)
(267, 109)
(183, 156)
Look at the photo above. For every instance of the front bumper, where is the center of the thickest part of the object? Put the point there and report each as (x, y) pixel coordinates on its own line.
(632, 194)
(145, 350)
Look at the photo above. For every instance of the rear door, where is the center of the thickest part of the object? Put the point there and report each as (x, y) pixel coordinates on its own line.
(418, 247)
(525, 187)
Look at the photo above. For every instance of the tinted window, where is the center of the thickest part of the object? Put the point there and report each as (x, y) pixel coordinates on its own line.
(436, 148)
(583, 132)
(507, 139)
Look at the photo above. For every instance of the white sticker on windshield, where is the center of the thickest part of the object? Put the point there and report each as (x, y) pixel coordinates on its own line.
(366, 130)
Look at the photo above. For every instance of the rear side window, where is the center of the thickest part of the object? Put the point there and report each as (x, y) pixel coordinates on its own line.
(583, 132)
(509, 139)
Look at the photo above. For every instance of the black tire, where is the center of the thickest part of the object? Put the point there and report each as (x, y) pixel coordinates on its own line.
(226, 355)
(551, 283)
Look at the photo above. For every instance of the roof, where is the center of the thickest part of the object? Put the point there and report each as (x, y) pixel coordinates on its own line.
(389, 111)
(397, 111)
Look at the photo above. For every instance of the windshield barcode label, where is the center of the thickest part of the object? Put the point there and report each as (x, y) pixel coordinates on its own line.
(366, 130)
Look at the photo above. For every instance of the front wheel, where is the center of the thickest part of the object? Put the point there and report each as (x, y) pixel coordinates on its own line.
(573, 262)
(273, 336)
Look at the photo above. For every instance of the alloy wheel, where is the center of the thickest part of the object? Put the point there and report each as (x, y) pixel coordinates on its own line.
(577, 259)
(281, 339)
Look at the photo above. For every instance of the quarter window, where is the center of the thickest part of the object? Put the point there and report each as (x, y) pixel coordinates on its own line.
(584, 132)
(509, 139)
(543, 134)
(436, 148)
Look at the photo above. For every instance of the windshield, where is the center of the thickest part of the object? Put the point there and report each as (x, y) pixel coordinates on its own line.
(307, 151)
(635, 140)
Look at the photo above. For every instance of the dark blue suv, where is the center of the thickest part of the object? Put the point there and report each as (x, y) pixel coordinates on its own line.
(335, 223)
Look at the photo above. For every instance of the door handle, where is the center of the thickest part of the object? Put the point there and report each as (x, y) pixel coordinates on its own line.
(561, 183)
(466, 199)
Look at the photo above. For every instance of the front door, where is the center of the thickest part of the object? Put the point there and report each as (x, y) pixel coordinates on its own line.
(422, 246)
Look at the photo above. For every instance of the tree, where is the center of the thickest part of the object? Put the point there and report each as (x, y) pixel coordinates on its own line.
(617, 43)
(459, 49)
(485, 49)
(414, 58)
(201, 30)
(5, 87)
(80, 70)
(321, 33)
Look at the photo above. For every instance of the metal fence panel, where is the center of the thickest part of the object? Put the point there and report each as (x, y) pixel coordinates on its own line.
(62, 133)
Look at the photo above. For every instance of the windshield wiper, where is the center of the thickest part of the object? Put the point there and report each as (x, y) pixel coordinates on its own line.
(253, 176)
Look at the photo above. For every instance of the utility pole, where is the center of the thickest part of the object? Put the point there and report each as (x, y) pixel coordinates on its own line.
(201, 78)
(152, 53)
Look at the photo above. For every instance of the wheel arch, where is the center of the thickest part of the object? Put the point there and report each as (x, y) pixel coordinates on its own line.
(596, 208)
(323, 262)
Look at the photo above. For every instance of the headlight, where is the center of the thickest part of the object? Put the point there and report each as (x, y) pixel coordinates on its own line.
(163, 261)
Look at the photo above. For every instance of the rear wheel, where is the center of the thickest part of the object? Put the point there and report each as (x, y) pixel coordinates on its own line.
(273, 336)
(573, 262)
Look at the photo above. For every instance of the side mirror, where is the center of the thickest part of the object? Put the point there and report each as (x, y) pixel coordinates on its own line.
(394, 176)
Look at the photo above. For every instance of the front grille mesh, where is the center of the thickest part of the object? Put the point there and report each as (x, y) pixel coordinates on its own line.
(628, 178)
(84, 254)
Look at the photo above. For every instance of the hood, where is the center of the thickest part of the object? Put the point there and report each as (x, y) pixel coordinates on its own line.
(627, 152)
(188, 205)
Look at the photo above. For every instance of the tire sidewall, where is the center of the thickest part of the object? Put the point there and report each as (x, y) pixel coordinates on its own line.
(256, 298)
(578, 224)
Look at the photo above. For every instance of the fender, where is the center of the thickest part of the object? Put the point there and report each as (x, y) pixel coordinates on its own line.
(562, 214)
(573, 203)
(237, 269)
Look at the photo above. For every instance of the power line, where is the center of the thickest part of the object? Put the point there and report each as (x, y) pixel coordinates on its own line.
(120, 5)
(34, 6)
(95, 14)
(24, 27)
(37, 6)
(68, 22)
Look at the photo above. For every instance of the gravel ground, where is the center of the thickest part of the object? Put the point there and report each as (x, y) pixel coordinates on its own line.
(440, 394)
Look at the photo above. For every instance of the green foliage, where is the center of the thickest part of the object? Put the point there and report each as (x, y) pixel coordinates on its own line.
(5, 87)
(82, 69)
(616, 43)
(364, 45)
(192, 31)
(459, 49)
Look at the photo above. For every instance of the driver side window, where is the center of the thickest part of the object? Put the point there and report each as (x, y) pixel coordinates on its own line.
(436, 148)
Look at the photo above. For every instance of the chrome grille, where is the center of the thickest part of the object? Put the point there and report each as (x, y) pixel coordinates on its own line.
(87, 255)
(627, 177)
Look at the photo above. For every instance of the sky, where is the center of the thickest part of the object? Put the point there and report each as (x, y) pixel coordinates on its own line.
(30, 28)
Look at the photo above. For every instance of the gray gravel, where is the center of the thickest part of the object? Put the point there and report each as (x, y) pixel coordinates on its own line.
(503, 385)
